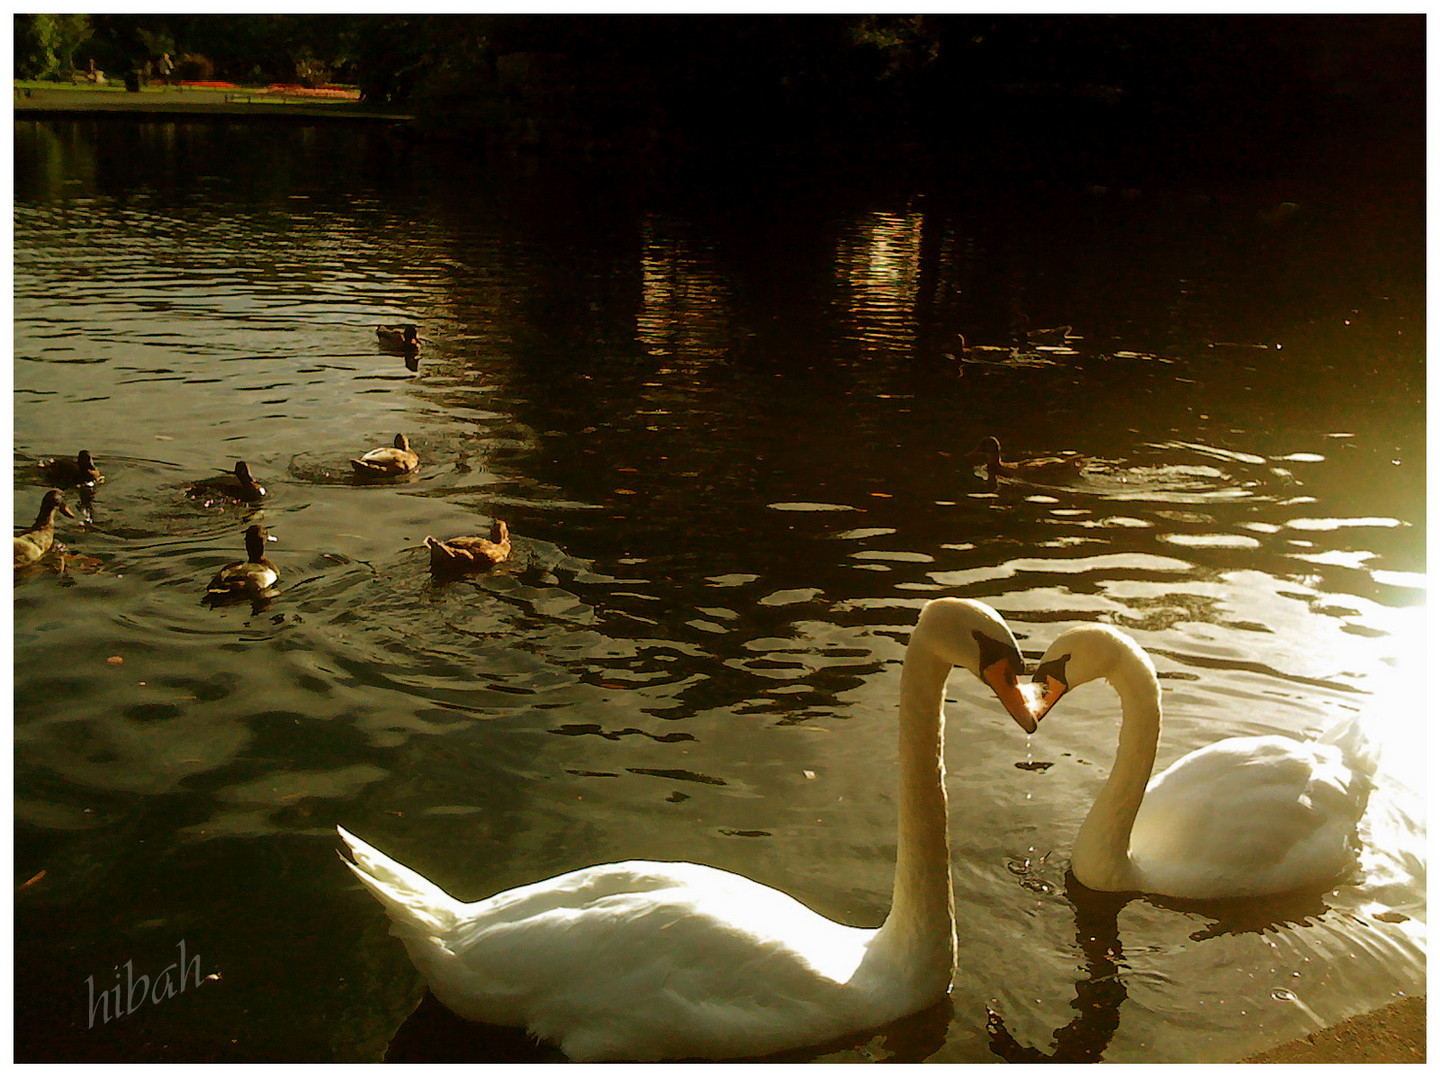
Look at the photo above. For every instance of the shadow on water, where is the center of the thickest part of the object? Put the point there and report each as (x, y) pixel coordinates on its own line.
(1100, 994)
(433, 1034)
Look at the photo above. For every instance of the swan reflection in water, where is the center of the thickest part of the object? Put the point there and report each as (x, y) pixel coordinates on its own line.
(1100, 994)
(433, 1034)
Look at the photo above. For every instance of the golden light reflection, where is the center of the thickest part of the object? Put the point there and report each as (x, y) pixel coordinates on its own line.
(1395, 716)
(877, 269)
(686, 303)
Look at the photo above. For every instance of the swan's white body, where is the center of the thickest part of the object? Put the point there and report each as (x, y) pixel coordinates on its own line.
(1248, 816)
(655, 960)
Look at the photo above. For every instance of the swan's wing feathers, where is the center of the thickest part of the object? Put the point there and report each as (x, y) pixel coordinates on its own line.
(1360, 753)
(611, 915)
(630, 957)
(579, 888)
(1248, 808)
(671, 967)
(413, 902)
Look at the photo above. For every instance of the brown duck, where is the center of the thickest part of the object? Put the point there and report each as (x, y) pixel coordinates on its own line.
(80, 472)
(394, 460)
(1040, 468)
(32, 544)
(401, 338)
(250, 577)
(238, 484)
(467, 554)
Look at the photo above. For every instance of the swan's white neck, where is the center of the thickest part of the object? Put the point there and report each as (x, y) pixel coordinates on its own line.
(1101, 858)
(919, 935)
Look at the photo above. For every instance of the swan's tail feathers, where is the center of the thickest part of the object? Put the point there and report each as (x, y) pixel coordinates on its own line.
(1360, 753)
(415, 905)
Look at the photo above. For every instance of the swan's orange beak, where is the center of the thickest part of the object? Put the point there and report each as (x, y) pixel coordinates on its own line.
(1001, 666)
(1048, 685)
(1003, 678)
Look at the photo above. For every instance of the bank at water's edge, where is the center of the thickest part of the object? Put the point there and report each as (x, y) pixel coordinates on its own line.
(1388, 1036)
(189, 102)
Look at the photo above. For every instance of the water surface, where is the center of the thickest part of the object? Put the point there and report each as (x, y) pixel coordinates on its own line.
(729, 434)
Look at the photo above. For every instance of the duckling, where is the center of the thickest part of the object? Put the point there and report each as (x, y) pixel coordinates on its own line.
(32, 544)
(235, 485)
(1068, 463)
(466, 554)
(394, 460)
(402, 337)
(82, 472)
(247, 579)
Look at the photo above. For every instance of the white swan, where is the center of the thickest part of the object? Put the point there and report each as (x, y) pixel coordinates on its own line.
(1247, 816)
(654, 960)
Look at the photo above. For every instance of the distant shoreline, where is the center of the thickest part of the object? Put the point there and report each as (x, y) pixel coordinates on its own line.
(189, 103)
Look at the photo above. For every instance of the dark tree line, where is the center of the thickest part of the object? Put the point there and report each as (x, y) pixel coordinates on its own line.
(237, 48)
(1047, 85)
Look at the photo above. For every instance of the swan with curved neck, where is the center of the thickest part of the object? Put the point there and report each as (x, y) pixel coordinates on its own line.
(1247, 816)
(656, 960)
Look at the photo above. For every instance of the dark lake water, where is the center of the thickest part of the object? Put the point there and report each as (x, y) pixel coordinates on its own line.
(728, 428)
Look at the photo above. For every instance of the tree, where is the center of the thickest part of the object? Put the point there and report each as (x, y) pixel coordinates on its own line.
(45, 44)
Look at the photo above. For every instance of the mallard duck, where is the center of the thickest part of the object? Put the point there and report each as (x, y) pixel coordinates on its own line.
(464, 554)
(248, 578)
(238, 484)
(80, 472)
(1068, 463)
(403, 337)
(645, 961)
(394, 460)
(32, 544)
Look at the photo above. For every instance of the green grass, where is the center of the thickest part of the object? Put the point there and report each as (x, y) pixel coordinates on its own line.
(55, 84)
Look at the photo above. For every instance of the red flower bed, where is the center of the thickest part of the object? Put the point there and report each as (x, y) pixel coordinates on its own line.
(339, 93)
(313, 91)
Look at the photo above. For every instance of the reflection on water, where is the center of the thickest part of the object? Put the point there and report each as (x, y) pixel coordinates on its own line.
(877, 275)
(686, 310)
(733, 456)
(1098, 996)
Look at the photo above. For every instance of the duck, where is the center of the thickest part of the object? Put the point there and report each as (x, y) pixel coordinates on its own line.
(402, 337)
(247, 578)
(648, 961)
(1045, 336)
(237, 484)
(987, 451)
(963, 350)
(81, 472)
(466, 554)
(32, 544)
(394, 460)
(1242, 817)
